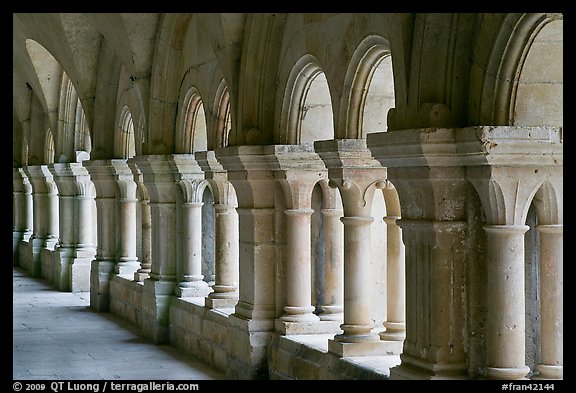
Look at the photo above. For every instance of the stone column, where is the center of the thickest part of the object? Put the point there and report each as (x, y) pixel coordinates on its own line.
(191, 282)
(551, 304)
(505, 291)
(37, 241)
(146, 265)
(127, 261)
(160, 175)
(396, 291)
(102, 267)
(225, 288)
(21, 212)
(298, 270)
(76, 249)
(52, 217)
(225, 292)
(250, 171)
(146, 223)
(333, 309)
(357, 175)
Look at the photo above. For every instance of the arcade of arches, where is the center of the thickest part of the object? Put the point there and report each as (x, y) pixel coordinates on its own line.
(301, 196)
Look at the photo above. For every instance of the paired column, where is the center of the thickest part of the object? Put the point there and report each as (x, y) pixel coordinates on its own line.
(551, 303)
(357, 175)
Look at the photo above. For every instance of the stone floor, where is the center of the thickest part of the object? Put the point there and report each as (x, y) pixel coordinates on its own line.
(56, 336)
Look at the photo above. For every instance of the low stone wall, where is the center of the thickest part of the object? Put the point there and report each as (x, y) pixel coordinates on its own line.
(290, 359)
(199, 331)
(126, 299)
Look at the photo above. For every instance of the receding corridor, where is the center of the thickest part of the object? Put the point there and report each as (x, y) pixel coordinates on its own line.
(57, 336)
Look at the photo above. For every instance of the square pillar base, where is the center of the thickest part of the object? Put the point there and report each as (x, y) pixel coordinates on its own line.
(314, 327)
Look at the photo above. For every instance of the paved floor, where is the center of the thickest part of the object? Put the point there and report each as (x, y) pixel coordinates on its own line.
(56, 336)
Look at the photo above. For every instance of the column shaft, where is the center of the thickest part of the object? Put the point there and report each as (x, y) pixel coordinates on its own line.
(226, 264)
(505, 336)
(357, 325)
(191, 283)
(333, 308)
(298, 270)
(396, 291)
(551, 303)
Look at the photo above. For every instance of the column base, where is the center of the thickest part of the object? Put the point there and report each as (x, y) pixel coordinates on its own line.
(549, 372)
(392, 336)
(416, 368)
(193, 289)
(331, 313)
(141, 275)
(287, 328)
(506, 372)
(368, 348)
(127, 268)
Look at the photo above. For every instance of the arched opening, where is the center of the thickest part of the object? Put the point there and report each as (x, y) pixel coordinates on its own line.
(306, 114)
(539, 93)
(193, 135)
(379, 96)
(125, 141)
(223, 122)
(371, 93)
(317, 122)
(82, 141)
(49, 148)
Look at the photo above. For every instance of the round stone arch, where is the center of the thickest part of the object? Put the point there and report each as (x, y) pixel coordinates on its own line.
(191, 123)
(222, 116)
(306, 90)
(370, 54)
(124, 144)
(494, 102)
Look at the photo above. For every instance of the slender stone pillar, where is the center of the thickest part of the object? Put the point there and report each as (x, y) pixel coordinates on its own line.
(225, 288)
(52, 213)
(333, 307)
(225, 292)
(505, 339)
(127, 262)
(396, 292)
(298, 267)
(21, 213)
(551, 304)
(191, 282)
(143, 271)
(357, 326)
(146, 265)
